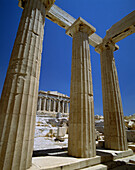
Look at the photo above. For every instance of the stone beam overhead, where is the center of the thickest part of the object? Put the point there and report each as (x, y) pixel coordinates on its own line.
(122, 29)
(60, 17)
(80, 25)
(48, 3)
(64, 20)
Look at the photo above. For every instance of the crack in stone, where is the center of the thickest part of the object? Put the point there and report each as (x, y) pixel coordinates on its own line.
(34, 33)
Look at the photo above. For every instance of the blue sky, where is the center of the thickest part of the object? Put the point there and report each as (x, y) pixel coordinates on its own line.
(57, 47)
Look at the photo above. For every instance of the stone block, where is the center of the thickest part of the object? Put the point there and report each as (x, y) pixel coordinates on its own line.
(130, 135)
(61, 131)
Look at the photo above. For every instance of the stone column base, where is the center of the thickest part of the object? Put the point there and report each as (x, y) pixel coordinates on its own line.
(56, 162)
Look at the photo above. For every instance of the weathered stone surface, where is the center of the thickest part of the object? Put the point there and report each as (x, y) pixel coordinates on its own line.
(81, 119)
(66, 163)
(122, 29)
(61, 131)
(130, 135)
(18, 101)
(132, 147)
(114, 128)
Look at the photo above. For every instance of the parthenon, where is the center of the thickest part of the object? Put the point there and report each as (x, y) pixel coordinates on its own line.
(18, 102)
(52, 102)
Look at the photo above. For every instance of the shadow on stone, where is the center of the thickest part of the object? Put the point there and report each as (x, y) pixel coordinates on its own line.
(105, 157)
(119, 165)
(63, 152)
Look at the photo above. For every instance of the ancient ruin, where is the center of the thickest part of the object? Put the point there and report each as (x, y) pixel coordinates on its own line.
(52, 102)
(19, 97)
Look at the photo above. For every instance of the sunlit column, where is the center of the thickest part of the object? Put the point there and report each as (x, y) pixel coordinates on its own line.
(63, 105)
(54, 105)
(49, 104)
(44, 104)
(39, 103)
(18, 101)
(81, 141)
(58, 105)
(114, 128)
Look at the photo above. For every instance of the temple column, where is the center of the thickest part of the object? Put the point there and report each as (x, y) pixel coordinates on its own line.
(81, 141)
(114, 128)
(44, 104)
(58, 105)
(67, 107)
(49, 105)
(39, 103)
(63, 104)
(18, 101)
(54, 106)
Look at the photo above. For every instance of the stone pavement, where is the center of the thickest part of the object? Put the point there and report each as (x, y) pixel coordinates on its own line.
(57, 159)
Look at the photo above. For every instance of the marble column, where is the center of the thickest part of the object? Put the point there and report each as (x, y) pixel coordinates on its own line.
(63, 105)
(114, 128)
(54, 106)
(58, 105)
(81, 141)
(44, 104)
(67, 107)
(49, 105)
(39, 103)
(18, 101)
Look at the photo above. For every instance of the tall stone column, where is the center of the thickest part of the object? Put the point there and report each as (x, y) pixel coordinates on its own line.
(44, 104)
(66, 104)
(58, 105)
(39, 103)
(67, 107)
(54, 106)
(18, 101)
(49, 105)
(81, 141)
(63, 104)
(114, 128)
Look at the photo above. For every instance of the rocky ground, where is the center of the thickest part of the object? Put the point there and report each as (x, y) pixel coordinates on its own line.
(46, 132)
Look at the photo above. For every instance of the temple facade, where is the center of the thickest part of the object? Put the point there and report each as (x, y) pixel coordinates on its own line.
(52, 102)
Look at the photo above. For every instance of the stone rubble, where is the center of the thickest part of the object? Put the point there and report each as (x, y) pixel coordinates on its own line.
(53, 132)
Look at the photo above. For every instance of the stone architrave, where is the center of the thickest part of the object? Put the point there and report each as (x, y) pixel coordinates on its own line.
(81, 141)
(44, 104)
(114, 128)
(18, 101)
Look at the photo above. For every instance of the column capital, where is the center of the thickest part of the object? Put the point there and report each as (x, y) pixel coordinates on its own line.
(80, 25)
(47, 3)
(105, 45)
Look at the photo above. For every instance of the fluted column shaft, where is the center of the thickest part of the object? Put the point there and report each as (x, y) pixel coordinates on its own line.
(67, 107)
(18, 101)
(39, 103)
(54, 105)
(81, 141)
(44, 104)
(58, 105)
(63, 104)
(114, 128)
(49, 105)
